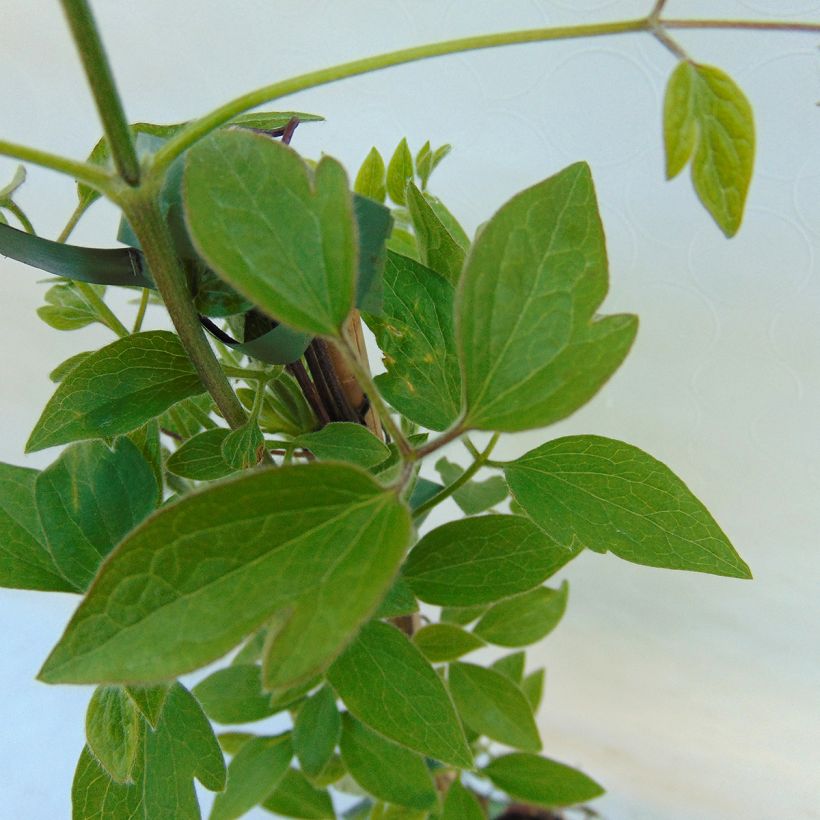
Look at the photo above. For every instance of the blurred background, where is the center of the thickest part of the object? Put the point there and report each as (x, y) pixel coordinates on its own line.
(688, 697)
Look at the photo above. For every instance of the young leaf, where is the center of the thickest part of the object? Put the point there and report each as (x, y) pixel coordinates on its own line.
(438, 250)
(296, 796)
(416, 336)
(200, 458)
(589, 491)
(282, 237)
(259, 766)
(234, 695)
(475, 496)
(491, 704)
(424, 164)
(462, 615)
(150, 700)
(204, 572)
(68, 309)
(241, 447)
(533, 687)
(387, 684)
(88, 499)
(707, 118)
(112, 727)
(316, 731)
(524, 619)
(384, 769)
(532, 351)
(62, 369)
(512, 666)
(461, 804)
(25, 561)
(480, 560)
(449, 221)
(541, 781)
(370, 181)
(345, 441)
(95, 795)
(445, 642)
(117, 389)
(399, 172)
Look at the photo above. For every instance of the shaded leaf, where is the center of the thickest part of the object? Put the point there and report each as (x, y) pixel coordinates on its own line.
(512, 666)
(296, 796)
(533, 687)
(241, 447)
(438, 250)
(445, 642)
(462, 615)
(398, 601)
(475, 496)
(200, 458)
(95, 795)
(461, 804)
(316, 731)
(68, 309)
(150, 700)
(234, 695)
(345, 441)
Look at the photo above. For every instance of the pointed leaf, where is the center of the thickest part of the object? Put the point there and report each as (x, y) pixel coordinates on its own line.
(316, 731)
(68, 308)
(533, 687)
(370, 181)
(241, 447)
(531, 348)
(462, 615)
(512, 666)
(150, 700)
(200, 458)
(296, 796)
(399, 172)
(590, 491)
(234, 695)
(445, 642)
(112, 727)
(438, 250)
(475, 496)
(398, 601)
(95, 795)
(345, 441)
(62, 369)
(461, 804)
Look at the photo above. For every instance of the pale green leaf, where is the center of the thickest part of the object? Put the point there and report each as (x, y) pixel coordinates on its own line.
(89, 499)
(708, 119)
(449, 221)
(416, 336)
(438, 250)
(62, 369)
(524, 619)
(399, 172)
(387, 684)
(445, 642)
(68, 308)
(462, 615)
(541, 781)
(232, 742)
(424, 164)
(512, 666)
(480, 560)
(117, 389)
(200, 458)
(385, 769)
(234, 695)
(474, 496)
(316, 731)
(332, 772)
(204, 572)
(370, 181)
(242, 447)
(150, 700)
(492, 705)
(112, 728)
(95, 795)
(461, 804)
(589, 491)
(533, 687)
(345, 441)
(297, 797)
(532, 350)
(283, 237)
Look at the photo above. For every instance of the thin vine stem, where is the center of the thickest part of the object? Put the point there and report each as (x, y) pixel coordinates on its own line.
(72, 223)
(13, 208)
(743, 25)
(105, 313)
(146, 295)
(98, 178)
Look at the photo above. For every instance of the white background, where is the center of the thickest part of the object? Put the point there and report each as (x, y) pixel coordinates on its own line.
(689, 697)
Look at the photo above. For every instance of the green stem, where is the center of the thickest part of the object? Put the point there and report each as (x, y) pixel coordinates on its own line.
(14, 208)
(478, 463)
(72, 223)
(92, 175)
(103, 311)
(449, 435)
(743, 25)
(242, 373)
(98, 71)
(147, 222)
(146, 295)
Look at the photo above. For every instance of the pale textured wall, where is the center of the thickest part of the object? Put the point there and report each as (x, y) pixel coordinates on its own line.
(689, 697)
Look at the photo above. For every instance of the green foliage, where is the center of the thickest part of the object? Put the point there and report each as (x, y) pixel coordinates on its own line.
(200, 458)
(68, 308)
(345, 441)
(475, 496)
(437, 247)
(445, 642)
(296, 796)
(316, 731)
(461, 804)
(234, 695)
(399, 172)
(371, 179)
(113, 729)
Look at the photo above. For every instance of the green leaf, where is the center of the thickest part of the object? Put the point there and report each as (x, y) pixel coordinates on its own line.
(385, 769)
(283, 237)
(234, 695)
(445, 642)
(589, 491)
(707, 118)
(370, 181)
(438, 250)
(200, 458)
(481, 560)
(386, 811)
(95, 795)
(491, 704)
(117, 389)
(186, 418)
(112, 727)
(62, 369)
(475, 496)
(424, 164)
(7, 191)
(416, 336)
(387, 684)
(150, 700)
(531, 348)
(316, 731)
(533, 687)
(462, 615)
(399, 172)
(204, 572)
(332, 772)
(512, 666)
(461, 804)
(68, 309)
(256, 770)
(345, 441)
(232, 742)
(398, 601)
(296, 796)
(241, 447)
(541, 781)
(89, 499)
(146, 439)
(25, 561)
(524, 619)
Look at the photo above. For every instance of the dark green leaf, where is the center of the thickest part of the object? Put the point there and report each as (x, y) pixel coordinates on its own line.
(475, 496)
(146, 439)
(25, 561)
(531, 348)
(480, 560)
(416, 336)
(445, 642)
(533, 687)
(316, 731)
(399, 172)
(296, 796)
(385, 769)
(461, 804)
(589, 491)
(89, 499)
(282, 237)
(491, 704)
(524, 619)
(512, 666)
(370, 181)
(188, 417)
(242, 447)
(112, 727)
(387, 684)
(541, 781)
(398, 601)
(200, 458)
(707, 119)
(234, 695)
(438, 250)
(256, 770)
(345, 441)
(117, 389)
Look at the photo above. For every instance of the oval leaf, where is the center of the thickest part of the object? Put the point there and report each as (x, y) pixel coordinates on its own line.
(345, 441)
(445, 642)
(461, 804)
(200, 458)
(296, 796)
(316, 731)
(234, 695)
(112, 727)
